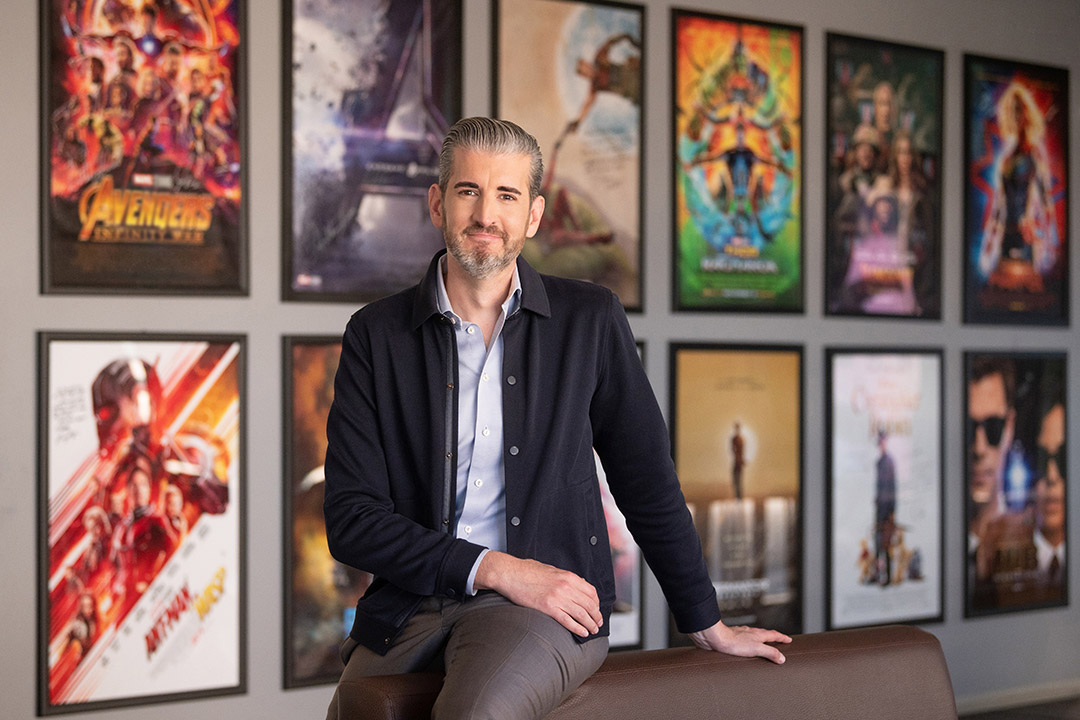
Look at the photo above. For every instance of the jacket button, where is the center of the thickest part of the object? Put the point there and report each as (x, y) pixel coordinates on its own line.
(514, 450)
(386, 641)
(511, 380)
(450, 592)
(515, 521)
(592, 540)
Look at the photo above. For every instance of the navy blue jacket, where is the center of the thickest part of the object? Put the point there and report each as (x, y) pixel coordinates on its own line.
(572, 381)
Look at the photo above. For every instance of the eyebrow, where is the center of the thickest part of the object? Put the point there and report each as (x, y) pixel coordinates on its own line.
(475, 186)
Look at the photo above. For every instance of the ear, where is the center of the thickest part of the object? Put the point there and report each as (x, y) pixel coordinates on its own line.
(435, 205)
(536, 210)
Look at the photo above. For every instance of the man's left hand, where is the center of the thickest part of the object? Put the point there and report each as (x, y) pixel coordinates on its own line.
(741, 641)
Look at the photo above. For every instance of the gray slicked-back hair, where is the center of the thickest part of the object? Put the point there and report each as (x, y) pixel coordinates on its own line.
(500, 137)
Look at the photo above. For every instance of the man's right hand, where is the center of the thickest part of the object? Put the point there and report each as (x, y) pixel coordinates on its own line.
(566, 597)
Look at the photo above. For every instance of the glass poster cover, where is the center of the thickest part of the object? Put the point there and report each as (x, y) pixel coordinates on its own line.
(1017, 515)
(1016, 198)
(737, 427)
(141, 507)
(885, 494)
(143, 147)
(371, 88)
(572, 74)
(883, 179)
(738, 146)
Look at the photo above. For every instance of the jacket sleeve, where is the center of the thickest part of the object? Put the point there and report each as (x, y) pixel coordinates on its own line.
(631, 438)
(365, 527)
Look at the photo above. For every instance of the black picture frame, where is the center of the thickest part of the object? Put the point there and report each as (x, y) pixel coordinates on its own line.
(862, 75)
(188, 393)
(355, 224)
(771, 561)
(1006, 568)
(866, 398)
(171, 218)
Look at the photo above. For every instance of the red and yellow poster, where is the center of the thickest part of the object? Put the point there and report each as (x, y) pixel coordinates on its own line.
(143, 147)
(141, 515)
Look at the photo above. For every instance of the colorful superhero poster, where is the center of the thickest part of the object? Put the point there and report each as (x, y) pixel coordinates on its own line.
(1016, 198)
(320, 593)
(738, 144)
(141, 519)
(572, 74)
(885, 488)
(736, 422)
(143, 147)
(373, 88)
(883, 179)
(1017, 519)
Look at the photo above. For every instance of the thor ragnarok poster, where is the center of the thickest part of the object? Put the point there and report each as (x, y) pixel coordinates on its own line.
(738, 145)
(143, 147)
(1016, 201)
(737, 429)
(141, 502)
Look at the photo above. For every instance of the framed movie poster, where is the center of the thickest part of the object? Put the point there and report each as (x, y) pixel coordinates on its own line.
(141, 514)
(883, 179)
(885, 489)
(572, 74)
(320, 593)
(1015, 465)
(736, 422)
(1016, 198)
(738, 147)
(371, 87)
(143, 149)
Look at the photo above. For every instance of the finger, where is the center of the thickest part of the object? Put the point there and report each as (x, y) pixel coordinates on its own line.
(770, 653)
(567, 621)
(584, 616)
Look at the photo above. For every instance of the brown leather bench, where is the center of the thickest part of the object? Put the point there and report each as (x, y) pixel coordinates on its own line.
(882, 673)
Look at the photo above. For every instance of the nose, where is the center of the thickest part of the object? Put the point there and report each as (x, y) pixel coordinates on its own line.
(484, 210)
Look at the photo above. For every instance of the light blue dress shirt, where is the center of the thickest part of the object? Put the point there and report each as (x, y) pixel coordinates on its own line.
(481, 482)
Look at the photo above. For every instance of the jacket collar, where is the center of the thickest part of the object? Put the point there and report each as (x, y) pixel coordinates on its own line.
(426, 303)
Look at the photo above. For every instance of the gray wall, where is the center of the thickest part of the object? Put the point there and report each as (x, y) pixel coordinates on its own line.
(994, 661)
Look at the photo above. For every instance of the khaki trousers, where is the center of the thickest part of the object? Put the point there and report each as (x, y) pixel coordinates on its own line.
(501, 661)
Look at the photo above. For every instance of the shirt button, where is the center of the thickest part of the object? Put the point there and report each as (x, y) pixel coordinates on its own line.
(592, 540)
(487, 432)
(479, 483)
(511, 380)
(468, 529)
(471, 329)
(514, 450)
(484, 377)
(515, 521)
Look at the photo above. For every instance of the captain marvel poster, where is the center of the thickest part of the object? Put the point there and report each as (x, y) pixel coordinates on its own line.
(738, 164)
(1016, 216)
(141, 515)
(143, 157)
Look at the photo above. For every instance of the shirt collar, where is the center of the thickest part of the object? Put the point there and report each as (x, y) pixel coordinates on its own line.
(509, 306)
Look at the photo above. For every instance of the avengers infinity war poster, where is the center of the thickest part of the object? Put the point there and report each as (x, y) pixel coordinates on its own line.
(1016, 197)
(143, 147)
(141, 508)
(737, 105)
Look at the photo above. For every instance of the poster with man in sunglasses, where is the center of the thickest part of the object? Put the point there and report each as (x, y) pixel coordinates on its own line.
(1016, 472)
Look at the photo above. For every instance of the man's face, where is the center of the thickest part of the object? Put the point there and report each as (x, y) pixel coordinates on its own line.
(1050, 489)
(992, 419)
(864, 155)
(883, 107)
(485, 213)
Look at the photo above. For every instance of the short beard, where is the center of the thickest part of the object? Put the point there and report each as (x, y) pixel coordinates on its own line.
(477, 263)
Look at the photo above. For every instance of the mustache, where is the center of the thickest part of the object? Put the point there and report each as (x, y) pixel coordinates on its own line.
(480, 229)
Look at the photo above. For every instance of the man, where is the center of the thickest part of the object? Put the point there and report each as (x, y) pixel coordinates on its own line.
(885, 515)
(1049, 534)
(738, 460)
(459, 466)
(991, 421)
